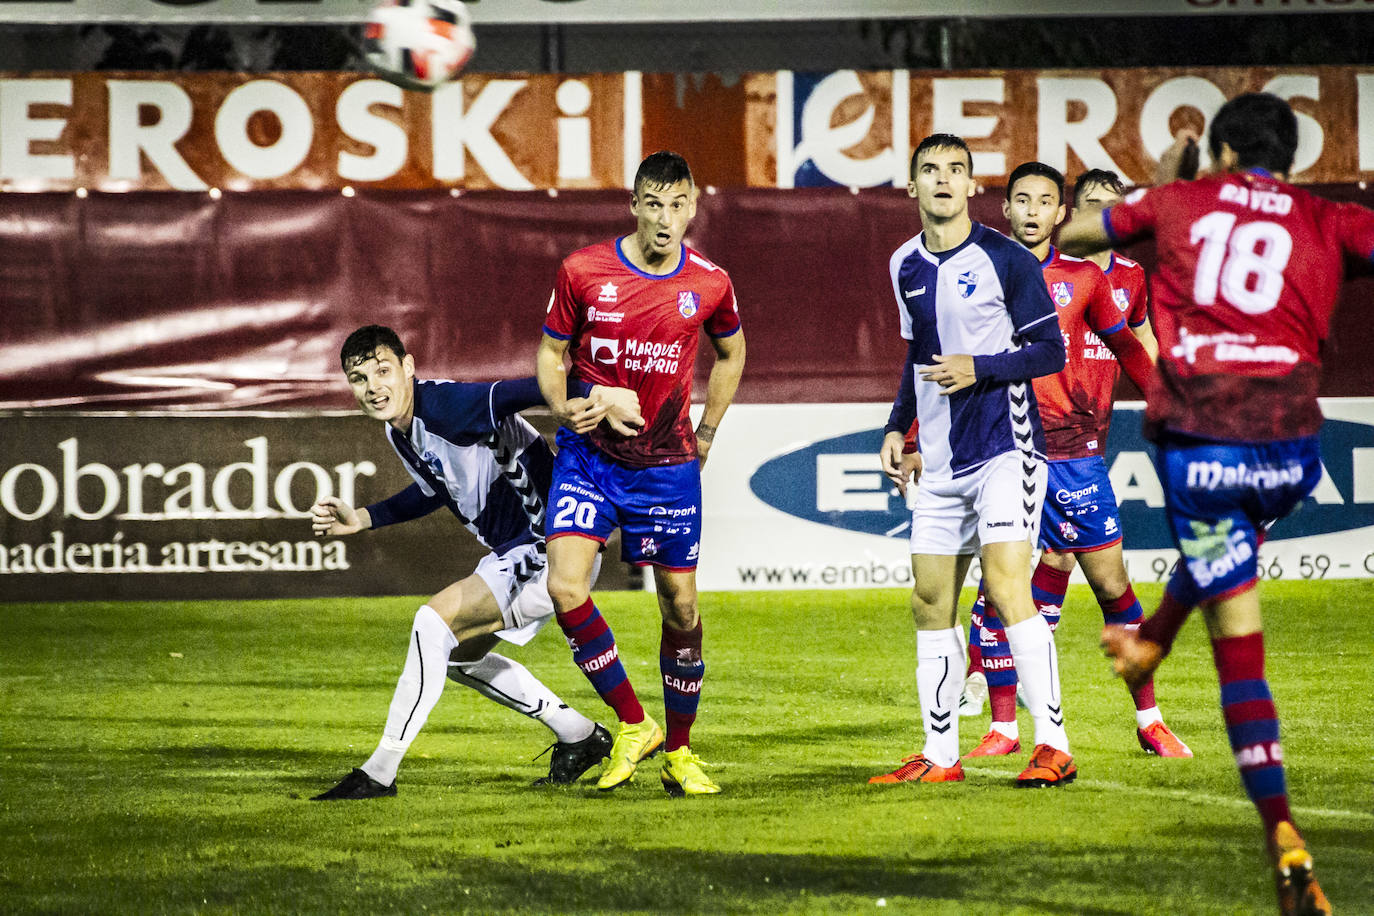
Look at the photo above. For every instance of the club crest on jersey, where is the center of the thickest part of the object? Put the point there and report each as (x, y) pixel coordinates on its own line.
(688, 303)
(1061, 291)
(968, 282)
(1123, 299)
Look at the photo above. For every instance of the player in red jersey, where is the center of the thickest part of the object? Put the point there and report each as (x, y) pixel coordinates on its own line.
(631, 309)
(1080, 522)
(1098, 189)
(1248, 276)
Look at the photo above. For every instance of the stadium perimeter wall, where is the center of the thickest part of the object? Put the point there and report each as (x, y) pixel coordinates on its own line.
(203, 309)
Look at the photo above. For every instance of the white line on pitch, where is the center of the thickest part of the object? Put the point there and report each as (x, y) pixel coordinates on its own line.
(1191, 796)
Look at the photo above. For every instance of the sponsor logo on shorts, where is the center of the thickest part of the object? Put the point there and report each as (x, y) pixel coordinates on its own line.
(673, 511)
(695, 549)
(1064, 497)
(1214, 553)
(1001, 524)
(1209, 475)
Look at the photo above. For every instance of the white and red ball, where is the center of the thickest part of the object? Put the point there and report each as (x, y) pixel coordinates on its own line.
(423, 43)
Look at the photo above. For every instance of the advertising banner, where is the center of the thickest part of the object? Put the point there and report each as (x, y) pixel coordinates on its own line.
(558, 11)
(236, 131)
(794, 499)
(214, 506)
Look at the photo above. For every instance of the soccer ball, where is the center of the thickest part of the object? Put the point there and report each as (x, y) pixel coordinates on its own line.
(419, 43)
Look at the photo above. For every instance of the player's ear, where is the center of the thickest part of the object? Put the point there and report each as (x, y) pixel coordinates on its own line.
(1060, 214)
(1006, 209)
(408, 366)
(973, 188)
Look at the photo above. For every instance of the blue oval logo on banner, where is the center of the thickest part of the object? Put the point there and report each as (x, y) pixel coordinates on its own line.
(837, 482)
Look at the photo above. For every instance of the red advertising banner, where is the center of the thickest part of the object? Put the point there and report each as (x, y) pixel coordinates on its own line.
(236, 131)
(154, 300)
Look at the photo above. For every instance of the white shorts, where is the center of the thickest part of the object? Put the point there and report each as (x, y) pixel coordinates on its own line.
(525, 607)
(999, 502)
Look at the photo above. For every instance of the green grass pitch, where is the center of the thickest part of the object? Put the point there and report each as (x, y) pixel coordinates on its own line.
(158, 757)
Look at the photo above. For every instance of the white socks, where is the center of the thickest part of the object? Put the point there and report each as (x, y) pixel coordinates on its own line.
(510, 683)
(1144, 718)
(494, 676)
(419, 688)
(1037, 668)
(939, 683)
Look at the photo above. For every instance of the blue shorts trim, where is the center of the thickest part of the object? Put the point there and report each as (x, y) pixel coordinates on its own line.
(1080, 513)
(657, 509)
(1218, 496)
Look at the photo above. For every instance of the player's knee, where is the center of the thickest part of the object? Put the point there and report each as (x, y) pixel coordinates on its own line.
(680, 612)
(567, 592)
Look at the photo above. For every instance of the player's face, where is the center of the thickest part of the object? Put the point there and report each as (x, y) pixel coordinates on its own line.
(662, 213)
(1097, 197)
(383, 384)
(942, 184)
(1033, 210)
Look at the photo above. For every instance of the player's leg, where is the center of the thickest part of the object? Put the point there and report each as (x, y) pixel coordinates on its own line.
(975, 691)
(519, 578)
(1009, 501)
(1003, 735)
(943, 534)
(1105, 570)
(939, 662)
(470, 606)
(680, 662)
(593, 644)
(1050, 584)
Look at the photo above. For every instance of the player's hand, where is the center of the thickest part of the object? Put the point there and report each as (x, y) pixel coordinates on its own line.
(899, 467)
(952, 373)
(622, 409)
(332, 517)
(1172, 162)
(581, 415)
(706, 434)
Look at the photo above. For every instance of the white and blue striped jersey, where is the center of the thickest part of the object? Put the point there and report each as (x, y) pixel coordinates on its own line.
(468, 450)
(987, 298)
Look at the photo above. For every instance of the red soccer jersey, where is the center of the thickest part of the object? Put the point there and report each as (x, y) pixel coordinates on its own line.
(1076, 402)
(635, 330)
(1128, 289)
(1248, 276)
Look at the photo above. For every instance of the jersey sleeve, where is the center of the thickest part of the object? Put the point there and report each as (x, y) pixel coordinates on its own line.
(1102, 315)
(1140, 302)
(461, 411)
(724, 321)
(564, 309)
(1354, 226)
(1134, 217)
(1028, 299)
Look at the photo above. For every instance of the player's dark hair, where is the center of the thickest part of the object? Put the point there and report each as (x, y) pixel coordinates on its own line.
(940, 141)
(1105, 178)
(1027, 169)
(364, 342)
(1260, 127)
(662, 169)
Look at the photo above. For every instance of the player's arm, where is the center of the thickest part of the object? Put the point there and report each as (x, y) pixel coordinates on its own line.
(1085, 234)
(332, 517)
(898, 457)
(577, 414)
(720, 387)
(589, 404)
(1107, 322)
(1146, 335)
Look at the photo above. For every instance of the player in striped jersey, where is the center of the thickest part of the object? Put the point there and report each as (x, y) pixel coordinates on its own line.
(469, 451)
(979, 326)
